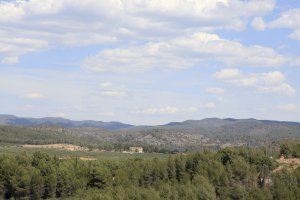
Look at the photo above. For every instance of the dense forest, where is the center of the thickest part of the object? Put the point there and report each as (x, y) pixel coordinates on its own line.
(92, 138)
(231, 173)
(28, 135)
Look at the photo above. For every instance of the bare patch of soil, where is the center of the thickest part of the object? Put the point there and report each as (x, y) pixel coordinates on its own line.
(289, 163)
(67, 147)
(87, 158)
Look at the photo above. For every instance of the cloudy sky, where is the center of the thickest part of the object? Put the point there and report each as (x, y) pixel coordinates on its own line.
(150, 61)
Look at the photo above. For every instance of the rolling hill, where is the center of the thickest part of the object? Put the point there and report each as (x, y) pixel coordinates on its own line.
(190, 134)
(65, 123)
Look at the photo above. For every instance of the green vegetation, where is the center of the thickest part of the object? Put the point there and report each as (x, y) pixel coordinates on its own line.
(232, 173)
(290, 149)
(92, 138)
(29, 135)
(105, 155)
(193, 136)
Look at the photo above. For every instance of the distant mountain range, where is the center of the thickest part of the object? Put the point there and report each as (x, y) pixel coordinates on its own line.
(190, 134)
(65, 123)
(216, 122)
(207, 123)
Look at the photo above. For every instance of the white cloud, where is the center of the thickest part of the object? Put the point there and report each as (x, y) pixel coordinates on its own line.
(34, 95)
(110, 90)
(289, 107)
(288, 19)
(258, 24)
(216, 90)
(295, 35)
(227, 74)
(272, 78)
(246, 81)
(10, 60)
(12, 47)
(167, 110)
(208, 105)
(191, 109)
(10, 11)
(111, 93)
(108, 114)
(58, 23)
(162, 110)
(200, 49)
(282, 89)
(106, 84)
(207, 13)
(143, 13)
(271, 82)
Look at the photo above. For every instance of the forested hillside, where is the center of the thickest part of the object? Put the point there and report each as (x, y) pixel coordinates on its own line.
(217, 131)
(232, 173)
(56, 121)
(28, 135)
(180, 136)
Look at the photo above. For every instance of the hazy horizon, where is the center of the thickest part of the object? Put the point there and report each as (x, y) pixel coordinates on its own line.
(149, 124)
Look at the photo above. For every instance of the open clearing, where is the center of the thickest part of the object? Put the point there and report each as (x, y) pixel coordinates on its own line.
(67, 147)
(289, 163)
(81, 158)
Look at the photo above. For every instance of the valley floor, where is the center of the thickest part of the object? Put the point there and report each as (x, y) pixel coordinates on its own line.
(84, 154)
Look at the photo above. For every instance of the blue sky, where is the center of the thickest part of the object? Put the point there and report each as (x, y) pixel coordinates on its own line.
(150, 61)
